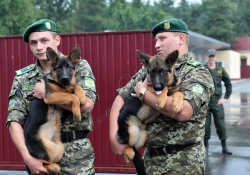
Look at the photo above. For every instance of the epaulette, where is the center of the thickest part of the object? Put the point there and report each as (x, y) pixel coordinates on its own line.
(193, 63)
(26, 69)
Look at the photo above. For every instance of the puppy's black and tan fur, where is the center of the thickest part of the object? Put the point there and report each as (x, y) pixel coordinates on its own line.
(43, 126)
(135, 115)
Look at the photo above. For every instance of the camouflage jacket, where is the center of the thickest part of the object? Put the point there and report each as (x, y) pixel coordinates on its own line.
(21, 95)
(197, 87)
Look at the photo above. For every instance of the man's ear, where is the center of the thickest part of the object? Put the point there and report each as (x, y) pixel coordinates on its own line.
(182, 38)
(58, 40)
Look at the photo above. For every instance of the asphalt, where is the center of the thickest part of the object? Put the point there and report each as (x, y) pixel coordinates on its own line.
(237, 117)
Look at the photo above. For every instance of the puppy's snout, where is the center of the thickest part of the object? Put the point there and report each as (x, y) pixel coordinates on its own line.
(65, 79)
(158, 87)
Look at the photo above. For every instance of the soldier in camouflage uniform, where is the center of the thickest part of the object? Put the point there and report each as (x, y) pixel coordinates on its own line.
(215, 105)
(79, 154)
(174, 141)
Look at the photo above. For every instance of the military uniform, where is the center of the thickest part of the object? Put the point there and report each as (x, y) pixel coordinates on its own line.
(175, 147)
(79, 154)
(219, 74)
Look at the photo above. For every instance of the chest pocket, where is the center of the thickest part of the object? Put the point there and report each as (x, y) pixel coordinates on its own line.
(27, 91)
(218, 78)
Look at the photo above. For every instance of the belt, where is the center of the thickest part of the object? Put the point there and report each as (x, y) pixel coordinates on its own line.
(214, 95)
(170, 149)
(73, 135)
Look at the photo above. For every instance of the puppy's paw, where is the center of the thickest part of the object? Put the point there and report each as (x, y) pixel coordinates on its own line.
(82, 100)
(177, 106)
(128, 154)
(53, 167)
(77, 118)
(160, 104)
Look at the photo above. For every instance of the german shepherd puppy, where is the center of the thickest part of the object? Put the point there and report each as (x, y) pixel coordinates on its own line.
(135, 115)
(43, 127)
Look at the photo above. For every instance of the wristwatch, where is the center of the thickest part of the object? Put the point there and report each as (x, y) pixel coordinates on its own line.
(141, 94)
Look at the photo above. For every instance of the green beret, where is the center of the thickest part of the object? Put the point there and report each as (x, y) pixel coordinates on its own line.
(39, 26)
(211, 52)
(170, 25)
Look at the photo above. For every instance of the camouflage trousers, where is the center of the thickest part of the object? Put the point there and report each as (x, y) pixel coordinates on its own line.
(186, 162)
(78, 158)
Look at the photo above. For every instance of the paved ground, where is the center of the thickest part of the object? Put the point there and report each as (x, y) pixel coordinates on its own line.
(237, 111)
(236, 164)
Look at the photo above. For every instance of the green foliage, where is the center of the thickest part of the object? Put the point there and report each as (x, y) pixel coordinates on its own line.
(166, 5)
(15, 17)
(223, 20)
(121, 16)
(219, 20)
(242, 23)
(89, 15)
(135, 15)
(60, 11)
(183, 12)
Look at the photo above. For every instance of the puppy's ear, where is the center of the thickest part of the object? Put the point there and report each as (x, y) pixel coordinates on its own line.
(172, 57)
(52, 56)
(144, 58)
(75, 54)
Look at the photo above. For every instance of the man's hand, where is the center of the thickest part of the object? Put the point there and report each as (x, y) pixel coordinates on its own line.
(221, 101)
(139, 87)
(118, 148)
(39, 90)
(36, 165)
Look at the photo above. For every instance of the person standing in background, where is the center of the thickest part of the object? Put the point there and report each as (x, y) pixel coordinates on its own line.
(216, 102)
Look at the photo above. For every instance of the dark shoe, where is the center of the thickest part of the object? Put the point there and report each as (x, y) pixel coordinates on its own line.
(224, 148)
(226, 151)
(206, 143)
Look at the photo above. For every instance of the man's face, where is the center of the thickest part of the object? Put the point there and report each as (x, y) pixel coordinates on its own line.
(211, 59)
(166, 42)
(39, 41)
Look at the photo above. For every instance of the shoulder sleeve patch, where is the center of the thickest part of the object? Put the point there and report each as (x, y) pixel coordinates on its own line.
(11, 104)
(26, 69)
(89, 83)
(198, 89)
(193, 63)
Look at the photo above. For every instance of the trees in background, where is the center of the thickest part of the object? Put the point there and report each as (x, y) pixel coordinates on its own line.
(89, 15)
(219, 19)
(223, 20)
(15, 16)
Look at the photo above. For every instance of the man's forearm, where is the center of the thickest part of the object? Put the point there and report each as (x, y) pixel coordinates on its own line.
(184, 115)
(17, 136)
(113, 126)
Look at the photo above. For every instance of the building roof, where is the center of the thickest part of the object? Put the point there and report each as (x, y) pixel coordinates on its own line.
(243, 44)
(199, 44)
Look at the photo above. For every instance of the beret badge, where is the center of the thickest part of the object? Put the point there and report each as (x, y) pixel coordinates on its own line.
(47, 24)
(167, 25)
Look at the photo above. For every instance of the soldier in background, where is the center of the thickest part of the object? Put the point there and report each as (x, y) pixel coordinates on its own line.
(79, 154)
(215, 106)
